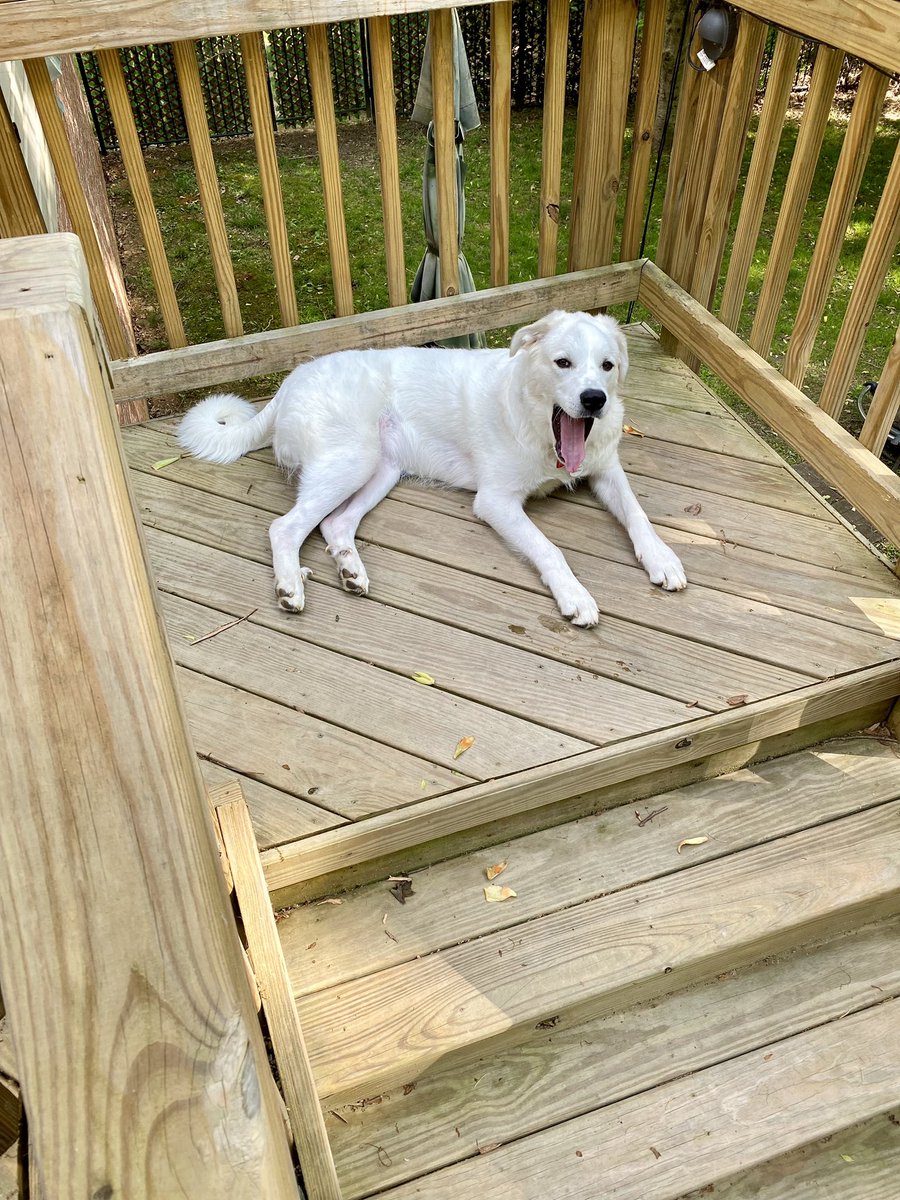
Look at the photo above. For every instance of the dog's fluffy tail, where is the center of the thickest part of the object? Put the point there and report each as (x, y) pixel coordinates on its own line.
(223, 427)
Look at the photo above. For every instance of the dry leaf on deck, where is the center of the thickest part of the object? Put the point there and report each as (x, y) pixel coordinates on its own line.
(423, 677)
(737, 701)
(463, 745)
(330, 900)
(632, 430)
(694, 510)
(496, 869)
(166, 462)
(494, 894)
(695, 841)
(402, 888)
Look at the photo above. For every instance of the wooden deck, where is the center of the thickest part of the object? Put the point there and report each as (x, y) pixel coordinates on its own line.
(318, 714)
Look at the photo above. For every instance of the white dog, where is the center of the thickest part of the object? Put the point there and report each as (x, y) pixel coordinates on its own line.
(502, 425)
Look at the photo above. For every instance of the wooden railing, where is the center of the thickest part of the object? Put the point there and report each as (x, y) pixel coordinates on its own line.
(705, 174)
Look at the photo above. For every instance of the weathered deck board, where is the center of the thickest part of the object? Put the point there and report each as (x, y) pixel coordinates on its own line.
(781, 595)
(563, 1074)
(557, 868)
(615, 950)
(801, 1089)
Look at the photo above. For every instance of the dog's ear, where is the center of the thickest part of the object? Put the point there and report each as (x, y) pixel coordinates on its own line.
(530, 335)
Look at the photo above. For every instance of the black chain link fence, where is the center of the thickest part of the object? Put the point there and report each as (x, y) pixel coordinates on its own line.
(152, 84)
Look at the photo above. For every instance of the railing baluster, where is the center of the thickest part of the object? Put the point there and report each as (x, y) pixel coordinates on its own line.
(445, 148)
(501, 88)
(386, 133)
(554, 117)
(644, 116)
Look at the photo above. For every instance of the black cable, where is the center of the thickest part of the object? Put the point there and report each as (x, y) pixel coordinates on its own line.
(662, 141)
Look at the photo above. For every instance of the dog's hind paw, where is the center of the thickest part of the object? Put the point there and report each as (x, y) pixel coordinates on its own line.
(351, 571)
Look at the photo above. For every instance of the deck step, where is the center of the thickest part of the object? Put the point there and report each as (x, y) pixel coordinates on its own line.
(563, 952)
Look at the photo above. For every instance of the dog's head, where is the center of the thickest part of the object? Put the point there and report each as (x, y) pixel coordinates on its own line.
(576, 361)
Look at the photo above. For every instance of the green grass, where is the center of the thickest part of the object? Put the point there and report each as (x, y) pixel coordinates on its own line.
(174, 187)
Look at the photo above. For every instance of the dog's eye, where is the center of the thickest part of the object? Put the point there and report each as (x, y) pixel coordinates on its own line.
(563, 363)
(607, 364)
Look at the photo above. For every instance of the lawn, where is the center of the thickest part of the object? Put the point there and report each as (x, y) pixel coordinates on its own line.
(173, 182)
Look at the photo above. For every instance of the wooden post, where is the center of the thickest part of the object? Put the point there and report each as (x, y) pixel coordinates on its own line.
(142, 1066)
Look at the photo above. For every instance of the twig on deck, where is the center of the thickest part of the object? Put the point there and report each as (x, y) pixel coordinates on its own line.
(222, 628)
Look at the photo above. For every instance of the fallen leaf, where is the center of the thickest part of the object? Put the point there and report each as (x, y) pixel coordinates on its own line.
(463, 745)
(494, 894)
(519, 629)
(496, 869)
(423, 785)
(423, 677)
(166, 462)
(330, 900)
(488, 1147)
(737, 701)
(401, 889)
(694, 510)
(847, 1157)
(632, 430)
(655, 1152)
(550, 1023)
(695, 841)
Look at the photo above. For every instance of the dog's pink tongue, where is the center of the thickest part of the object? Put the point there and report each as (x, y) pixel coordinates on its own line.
(571, 442)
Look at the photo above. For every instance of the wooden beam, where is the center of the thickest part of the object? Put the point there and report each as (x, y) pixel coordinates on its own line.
(606, 55)
(133, 158)
(867, 108)
(869, 29)
(664, 750)
(256, 73)
(796, 193)
(139, 1053)
(319, 63)
(20, 213)
(652, 44)
(865, 481)
(556, 47)
(388, 160)
(867, 288)
(188, 72)
(501, 92)
(759, 175)
(264, 947)
(280, 350)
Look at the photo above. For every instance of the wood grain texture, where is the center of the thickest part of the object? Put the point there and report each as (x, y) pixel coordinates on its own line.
(188, 72)
(603, 955)
(869, 484)
(867, 287)
(867, 28)
(257, 78)
(759, 175)
(307, 1124)
(554, 110)
(805, 1088)
(666, 750)
(644, 116)
(20, 213)
(441, 31)
(379, 29)
(886, 402)
(735, 120)
(133, 158)
(796, 193)
(319, 64)
(607, 43)
(139, 990)
(560, 1075)
(570, 864)
(70, 186)
(280, 350)
(848, 175)
(501, 87)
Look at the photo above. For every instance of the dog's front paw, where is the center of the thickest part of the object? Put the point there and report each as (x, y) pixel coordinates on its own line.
(577, 605)
(663, 566)
(290, 593)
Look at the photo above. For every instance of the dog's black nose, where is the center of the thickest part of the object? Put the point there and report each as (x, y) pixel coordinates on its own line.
(592, 400)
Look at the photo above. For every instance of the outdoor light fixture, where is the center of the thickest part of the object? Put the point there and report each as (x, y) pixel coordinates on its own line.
(717, 29)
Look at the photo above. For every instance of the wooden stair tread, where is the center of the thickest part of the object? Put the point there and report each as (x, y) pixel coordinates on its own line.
(560, 1074)
(603, 954)
(556, 868)
(707, 1126)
